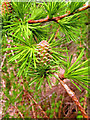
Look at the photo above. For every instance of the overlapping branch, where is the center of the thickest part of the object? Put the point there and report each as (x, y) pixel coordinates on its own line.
(47, 19)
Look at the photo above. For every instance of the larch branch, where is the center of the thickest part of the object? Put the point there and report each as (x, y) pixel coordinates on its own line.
(47, 19)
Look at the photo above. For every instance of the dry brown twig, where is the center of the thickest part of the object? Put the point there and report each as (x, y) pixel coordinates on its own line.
(2, 63)
(30, 97)
(14, 106)
(59, 113)
(19, 111)
(55, 108)
(34, 116)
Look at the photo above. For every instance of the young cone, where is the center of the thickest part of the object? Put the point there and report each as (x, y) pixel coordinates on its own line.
(43, 53)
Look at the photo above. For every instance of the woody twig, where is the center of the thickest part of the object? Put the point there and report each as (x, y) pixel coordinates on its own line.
(47, 19)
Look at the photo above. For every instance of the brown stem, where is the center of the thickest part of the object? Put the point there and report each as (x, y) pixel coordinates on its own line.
(34, 116)
(39, 21)
(59, 113)
(74, 98)
(47, 19)
(19, 111)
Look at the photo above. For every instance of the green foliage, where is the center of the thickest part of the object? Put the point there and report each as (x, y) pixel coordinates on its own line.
(40, 73)
(78, 71)
(17, 22)
(53, 8)
(70, 26)
(73, 6)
